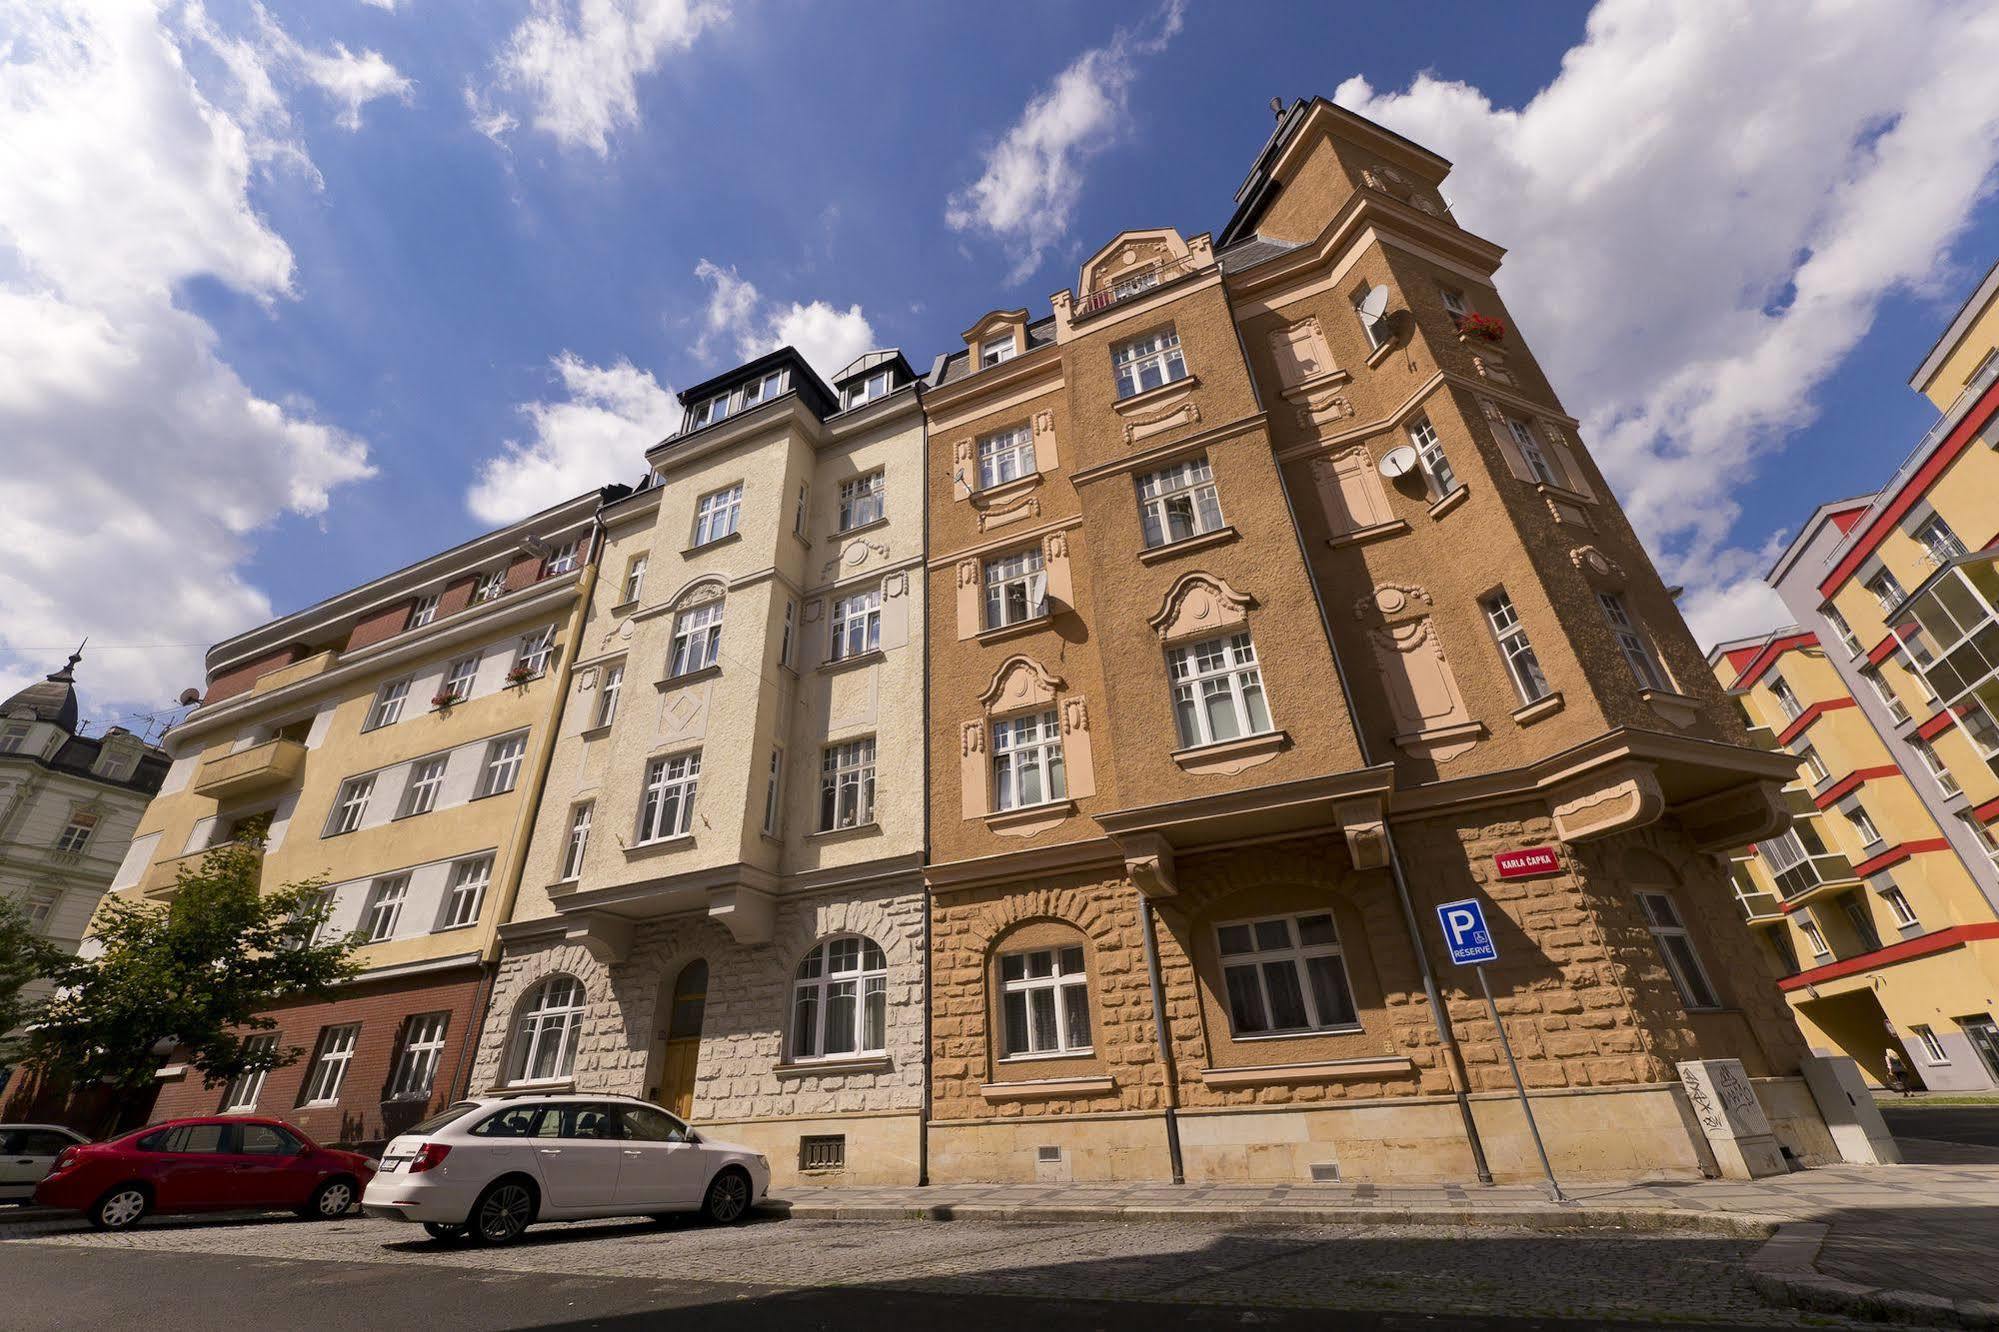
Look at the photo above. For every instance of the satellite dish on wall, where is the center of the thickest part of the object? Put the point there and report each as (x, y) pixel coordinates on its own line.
(188, 696)
(1398, 461)
(1373, 308)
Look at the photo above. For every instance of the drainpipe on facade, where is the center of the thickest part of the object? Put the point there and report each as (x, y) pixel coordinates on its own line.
(1454, 1064)
(515, 867)
(1145, 917)
(923, 879)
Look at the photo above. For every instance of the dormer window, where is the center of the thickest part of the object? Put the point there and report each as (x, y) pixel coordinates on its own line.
(490, 587)
(13, 737)
(759, 391)
(994, 350)
(867, 390)
(708, 412)
(562, 559)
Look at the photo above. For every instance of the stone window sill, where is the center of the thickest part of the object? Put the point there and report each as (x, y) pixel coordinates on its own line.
(1220, 536)
(1018, 629)
(1379, 354)
(868, 658)
(1545, 706)
(561, 886)
(622, 609)
(808, 1068)
(1232, 756)
(868, 526)
(687, 678)
(1450, 501)
(1331, 1070)
(857, 830)
(1676, 708)
(1563, 493)
(1154, 397)
(707, 546)
(1362, 535)
(1042, 1089)
(594, 732)
(1005, 490)
(1013, 818)
(640, 850)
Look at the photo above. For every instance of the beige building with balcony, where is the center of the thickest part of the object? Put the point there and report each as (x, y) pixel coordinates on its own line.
(723, 906)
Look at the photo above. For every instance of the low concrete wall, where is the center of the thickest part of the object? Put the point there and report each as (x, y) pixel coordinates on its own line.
(881, 1149)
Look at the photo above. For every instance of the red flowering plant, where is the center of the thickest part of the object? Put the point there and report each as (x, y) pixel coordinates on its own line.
(1475, 325)
(444, 698)
(520, 674)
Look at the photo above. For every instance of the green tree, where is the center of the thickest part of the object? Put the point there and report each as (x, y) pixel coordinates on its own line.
(24, 957)
(195, 974)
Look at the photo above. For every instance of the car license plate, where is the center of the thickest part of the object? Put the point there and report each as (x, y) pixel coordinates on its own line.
(396, 1162)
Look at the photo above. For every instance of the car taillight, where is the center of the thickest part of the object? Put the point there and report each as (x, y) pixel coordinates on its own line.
(429, 1156)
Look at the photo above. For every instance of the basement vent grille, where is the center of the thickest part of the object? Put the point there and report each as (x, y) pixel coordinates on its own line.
(1326, 1174)
(823, 1153)
(1047, 1153)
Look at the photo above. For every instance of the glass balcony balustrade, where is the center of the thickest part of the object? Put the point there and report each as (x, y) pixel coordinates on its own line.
(1950, 628)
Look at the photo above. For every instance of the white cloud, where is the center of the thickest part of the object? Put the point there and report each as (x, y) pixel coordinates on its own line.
(1705, 209)
(353, 80)
(489, 119)
(578, 66)
(389, 5)
(828, 337)
(139, 465)
(597, 435)
(1027, 193)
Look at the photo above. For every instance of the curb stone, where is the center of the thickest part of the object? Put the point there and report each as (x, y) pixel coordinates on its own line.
(1784, 1271)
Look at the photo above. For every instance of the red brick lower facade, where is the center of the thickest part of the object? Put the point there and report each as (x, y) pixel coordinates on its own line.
(363, 1113)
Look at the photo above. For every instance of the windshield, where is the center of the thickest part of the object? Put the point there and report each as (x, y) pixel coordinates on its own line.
(445, 1116)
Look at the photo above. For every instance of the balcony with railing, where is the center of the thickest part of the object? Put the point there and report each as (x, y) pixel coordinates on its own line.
(163, 876)
(1132, 284)
(1759, 905)
(265, 767)
(1801, 867)
(1950, 628)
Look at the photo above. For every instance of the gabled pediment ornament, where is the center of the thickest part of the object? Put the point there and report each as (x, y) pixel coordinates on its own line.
(1389, 600)
(1198, 602)
(1020, 682)
(1590, 560)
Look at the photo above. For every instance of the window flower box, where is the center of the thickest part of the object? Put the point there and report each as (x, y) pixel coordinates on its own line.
(518, 676)
(1475, 325)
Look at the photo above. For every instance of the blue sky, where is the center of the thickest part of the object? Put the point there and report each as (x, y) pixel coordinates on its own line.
(302, 294)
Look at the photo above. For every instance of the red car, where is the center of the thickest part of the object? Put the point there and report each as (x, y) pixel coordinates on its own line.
(217, 1163)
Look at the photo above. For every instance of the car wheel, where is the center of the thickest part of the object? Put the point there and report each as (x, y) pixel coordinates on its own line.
(121, 1208)
(333, 1198)
(728, 1198)
(503, 1211)
(442, 1233)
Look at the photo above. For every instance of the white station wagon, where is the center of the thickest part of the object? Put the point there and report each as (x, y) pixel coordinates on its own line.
(487, 1169)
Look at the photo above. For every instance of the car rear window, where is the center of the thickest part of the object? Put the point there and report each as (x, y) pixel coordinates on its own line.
(185, 1138)
(450, 1114)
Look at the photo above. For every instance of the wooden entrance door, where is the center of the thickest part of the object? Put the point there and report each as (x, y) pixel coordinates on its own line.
(677, 1049)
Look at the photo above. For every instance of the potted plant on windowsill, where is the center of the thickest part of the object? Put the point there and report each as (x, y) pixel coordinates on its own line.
(1483, 327)
(519, 675)
(443, 699)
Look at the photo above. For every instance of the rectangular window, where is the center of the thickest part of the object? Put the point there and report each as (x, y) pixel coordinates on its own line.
(1983, 834)
(1787, 698)
(1529, 448)
(862, 500)
(579, 840)
(1027, 761)
(774, 792)
(1897, 709)
(867, 390)
(1934, 762)
(423, 1048)
(425, 610)
(668, 807)
(1939, 540)
(37, 907)
(1006, 455)
(1045, 996)
(458, 678)
(857, 625)
(1637, 652)
(1978, 724)
(388, 706)
(1016, 588)
(715, 514)
(1814, 766)
(503, 765)
(466, 892)
(1814, 937)
(351, 805)
(1148, 362)
(708, 411)
(13, 737)
(491, 586)
(1217, 691)
(1847, 638)
(1898, 906)
(563, 559)
(1677, 947)
(1285, 974)
(425, 781)
(766, 389)
(247, 1086)
(635, 577)
(1857, 815)
(790, 633)
(534, 650)
(800, 514)
(1862, 920)
(1521, 663)
(697, 639)
(995, 350)
(1376, 329)
(607, 694)
(76, 833)
(385, 907)
(1430, 453)
(1454, 303)
(1933, 1050)
(847, 786)
(1179, 502)
(329, 1064)
(1886, 590)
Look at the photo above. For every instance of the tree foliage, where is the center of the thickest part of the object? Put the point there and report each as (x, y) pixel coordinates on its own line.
(195, 974)
(24, 957)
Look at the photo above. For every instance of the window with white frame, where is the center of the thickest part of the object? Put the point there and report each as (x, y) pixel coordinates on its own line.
(857, 625)
(839, 1000)
(864, 391)
(37, 908)
(862, 500)
(1285, 974)
(1814, 936)
(1787, 698)
(1430, 453)
(76, 833)
(1856, 814)
(774, 792)
(667, 809)
(425, 781)
(1676, 946)
(535, 650)
(551, 1019)
(465, 893)
(1934, 762)
(1521, 663)
(563, 559)
(847, 785)
(635, 578)
(1886, 590)
(994, 350)
(388, 706)
(1815, 769)
(1897, 709)
(1529, 448)
(330, 1058)
(350, 806)
(1847, 638)
(1984, 834)
(1217, 691)
(1006, 455)
(1898, 906)
(425, 610)
(247, 1086)
(1631, 642)
(415, 1071)
(1148, 362)
(1027, 761)
(490, 586)
(459, 678)
(1933, 1051)
(1861, 917)
(1045, 1002)
(708, 411)
(716, 513)
(1937, 538)
(607, 694)
(764, 389)
(1016, 588)
(1376, 329)
(13, 737)
(578, 841)
(697, 639)
(385, 907)
(800, 514)
(503, 765)
(1454, 303)
(789, 634)
(1179, 502)
(1977, 723)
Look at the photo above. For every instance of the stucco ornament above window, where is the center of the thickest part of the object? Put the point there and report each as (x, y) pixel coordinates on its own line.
(1199, 603)
(1020, 682)
(1593, 561)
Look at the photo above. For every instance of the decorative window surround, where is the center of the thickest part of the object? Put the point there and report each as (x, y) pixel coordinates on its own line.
(1546, 706)
(1205, 541)
(1228, 757)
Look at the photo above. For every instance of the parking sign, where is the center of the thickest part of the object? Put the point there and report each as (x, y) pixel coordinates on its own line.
(1465, 933)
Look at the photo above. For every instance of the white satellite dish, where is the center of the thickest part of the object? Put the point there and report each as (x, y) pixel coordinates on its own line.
(1398, 461)
(1373, 308)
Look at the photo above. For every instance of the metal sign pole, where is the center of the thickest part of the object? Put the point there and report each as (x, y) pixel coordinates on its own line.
(1525, 1108)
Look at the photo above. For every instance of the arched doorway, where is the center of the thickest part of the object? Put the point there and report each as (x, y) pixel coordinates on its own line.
(676, 1052)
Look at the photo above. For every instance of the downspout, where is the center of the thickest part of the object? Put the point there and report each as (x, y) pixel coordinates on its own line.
(1447, 1038)
(515, 866)
(923, 882)
(1145, 918)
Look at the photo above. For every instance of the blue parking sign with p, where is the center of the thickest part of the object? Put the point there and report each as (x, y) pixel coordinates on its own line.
(1465, 933)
